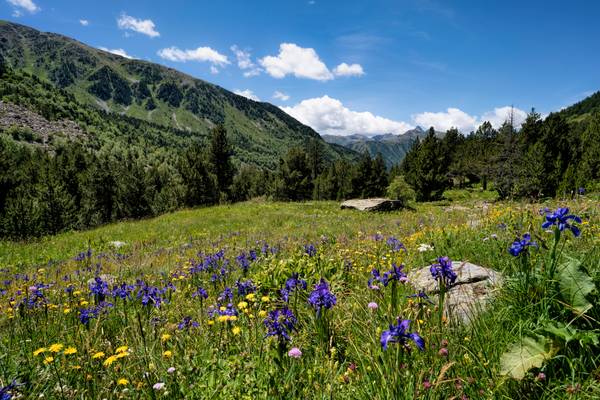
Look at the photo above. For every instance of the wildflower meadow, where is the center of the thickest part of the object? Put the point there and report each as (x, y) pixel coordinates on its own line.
(305, 301)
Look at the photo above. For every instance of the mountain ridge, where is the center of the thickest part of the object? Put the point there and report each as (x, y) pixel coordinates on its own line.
(260, 132)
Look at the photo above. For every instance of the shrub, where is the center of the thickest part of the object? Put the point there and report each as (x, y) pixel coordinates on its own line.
(400, 190)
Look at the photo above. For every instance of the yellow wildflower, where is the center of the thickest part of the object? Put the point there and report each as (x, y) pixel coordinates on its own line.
(66, 310)
(39, 351)
(70, 350)
(222, 308)
(97, 355)
(83, 303)
(168, 354)
(242, 305)
(77, 293)
(56, 347)
(121, 355)
(250, 296)
(236, 330)
(165, 337)
(265, 299)
(262, 313)
(108, 362)
(76, 367)
(48, 360)
(210, 322)
(121, 349)
(123, 382)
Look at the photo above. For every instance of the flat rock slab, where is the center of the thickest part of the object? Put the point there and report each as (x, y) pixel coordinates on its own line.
(474, 288)
(372, 204)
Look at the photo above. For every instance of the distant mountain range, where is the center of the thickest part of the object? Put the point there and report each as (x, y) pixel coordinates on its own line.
(177, 106)
(392, 147)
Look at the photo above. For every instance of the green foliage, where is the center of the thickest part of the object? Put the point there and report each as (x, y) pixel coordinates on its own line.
(530, 352)
(400, 190)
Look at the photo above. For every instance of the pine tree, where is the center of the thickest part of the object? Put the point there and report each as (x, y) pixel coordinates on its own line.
(219, 157)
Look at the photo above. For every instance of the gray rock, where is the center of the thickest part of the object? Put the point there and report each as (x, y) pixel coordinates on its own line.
(108, 278)
(474, 288)
(378, 204)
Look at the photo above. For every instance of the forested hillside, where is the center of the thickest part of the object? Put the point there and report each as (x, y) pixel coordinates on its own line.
(174, 104)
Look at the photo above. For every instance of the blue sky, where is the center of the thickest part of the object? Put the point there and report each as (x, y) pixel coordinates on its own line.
(355, 66)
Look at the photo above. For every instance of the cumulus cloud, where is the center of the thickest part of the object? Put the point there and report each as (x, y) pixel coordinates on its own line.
(297, 61)
(84, 22)
(456, 118)
(328, 115)
(247, 93)
(501, 114)
(200, 54)
(23, 5)
(244, 61)
(348, 70)
(281, 96)
(119, 52)
(145, 26)
(442, 121)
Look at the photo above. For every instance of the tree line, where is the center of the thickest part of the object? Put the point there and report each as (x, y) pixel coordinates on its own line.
(544, 158)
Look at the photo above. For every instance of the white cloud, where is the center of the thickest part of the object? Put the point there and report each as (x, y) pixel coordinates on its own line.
(145, 26)
(348, 70)
(244, 61)
(84, 22)
(247, 93)
(328, 115)
(502, 114)
(27, 5)
(298, 61)
(200, 54)
(119, 52)
(456, 118)
(281, 96)
(214, 70)
(442, 121)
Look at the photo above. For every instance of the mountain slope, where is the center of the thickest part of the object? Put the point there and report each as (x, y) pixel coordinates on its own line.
(393, 148)
(260, 132)
(582, 110)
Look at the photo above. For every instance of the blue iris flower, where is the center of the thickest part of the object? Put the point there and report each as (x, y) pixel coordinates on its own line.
(280, 323)
(520, 245)
(399, 334)
(321, 297)
(443, 272)
(561, 218)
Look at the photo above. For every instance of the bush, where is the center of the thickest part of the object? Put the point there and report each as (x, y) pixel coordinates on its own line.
(400, 190)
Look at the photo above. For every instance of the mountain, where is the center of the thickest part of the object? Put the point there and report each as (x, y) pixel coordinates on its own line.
(582, 110)
(174, 107)
(392, 147)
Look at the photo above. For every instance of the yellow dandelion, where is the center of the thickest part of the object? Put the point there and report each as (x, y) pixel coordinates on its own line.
(242, 305)
(123, 382)
(56, 347)
(108, 362)
(40, 351)
(70, 350)
(210, 322)
(122, 349)
(48, 360)
(167, 354)
(165, 337)
(236, 330)
(97, 355)
(262, 313)
(66, 310)
(250, 296)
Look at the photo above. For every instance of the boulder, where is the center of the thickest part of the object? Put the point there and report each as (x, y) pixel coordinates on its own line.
(474, 288)
(108, 278)
(378, 204)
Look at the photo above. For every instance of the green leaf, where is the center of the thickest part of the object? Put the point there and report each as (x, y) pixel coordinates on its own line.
(528, 353)
(575, 285)
(561, 331)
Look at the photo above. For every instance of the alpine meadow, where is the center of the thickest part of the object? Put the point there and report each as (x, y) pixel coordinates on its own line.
(299, 200)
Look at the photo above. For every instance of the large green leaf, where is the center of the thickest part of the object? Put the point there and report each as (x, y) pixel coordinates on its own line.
(575, 285)
(528, 353)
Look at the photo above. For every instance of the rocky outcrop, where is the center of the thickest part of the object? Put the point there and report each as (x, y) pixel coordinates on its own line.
(474, 288)
(372, 204)
(12, 115)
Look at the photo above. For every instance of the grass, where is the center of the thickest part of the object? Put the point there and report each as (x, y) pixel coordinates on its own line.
(46, 294)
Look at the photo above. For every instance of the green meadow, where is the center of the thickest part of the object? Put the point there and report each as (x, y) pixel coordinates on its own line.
(280, 300)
